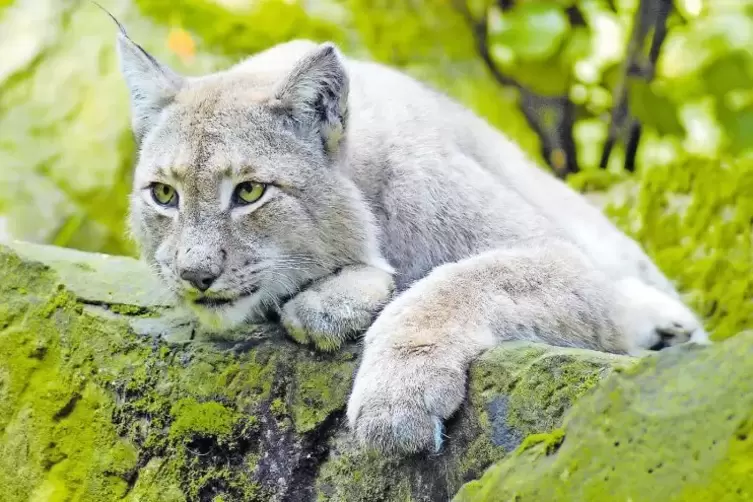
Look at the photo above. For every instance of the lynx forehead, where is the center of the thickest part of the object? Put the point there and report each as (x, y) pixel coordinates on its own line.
(351, 199)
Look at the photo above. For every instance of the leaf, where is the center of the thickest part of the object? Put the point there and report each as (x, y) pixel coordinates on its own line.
(578, 45)
(548, 78)
(533, 31)
(728, 73)
(738, 126)
(653, 109)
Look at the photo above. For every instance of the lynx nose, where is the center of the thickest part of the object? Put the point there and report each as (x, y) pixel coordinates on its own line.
(200, 279)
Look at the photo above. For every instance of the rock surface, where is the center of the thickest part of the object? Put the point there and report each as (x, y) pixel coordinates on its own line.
(107, 392)
(678, 427)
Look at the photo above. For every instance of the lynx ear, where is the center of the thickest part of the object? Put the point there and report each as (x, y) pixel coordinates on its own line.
(152, 84)
(315, 95)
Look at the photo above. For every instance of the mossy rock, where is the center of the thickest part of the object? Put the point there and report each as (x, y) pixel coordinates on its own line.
(109, 392)
(676, 427)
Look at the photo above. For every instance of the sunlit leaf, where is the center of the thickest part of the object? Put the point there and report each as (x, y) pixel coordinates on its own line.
(728, 73)
(534, 31)
(578, 45)
(738, 126)
(694, 45)
(548, 78)
(689, 8)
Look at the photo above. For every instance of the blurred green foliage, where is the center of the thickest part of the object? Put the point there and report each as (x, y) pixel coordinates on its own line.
(695, 218)
(66, 151)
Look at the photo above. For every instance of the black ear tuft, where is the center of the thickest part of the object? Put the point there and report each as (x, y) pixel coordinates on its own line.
(315, 93)
(152, 85)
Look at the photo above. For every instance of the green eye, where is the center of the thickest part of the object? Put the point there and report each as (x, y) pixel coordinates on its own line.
(248, 193)
(164, 195)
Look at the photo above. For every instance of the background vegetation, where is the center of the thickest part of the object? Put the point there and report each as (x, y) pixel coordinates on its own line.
(647, 102)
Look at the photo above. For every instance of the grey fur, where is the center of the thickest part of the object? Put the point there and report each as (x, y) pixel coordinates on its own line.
(377, 178)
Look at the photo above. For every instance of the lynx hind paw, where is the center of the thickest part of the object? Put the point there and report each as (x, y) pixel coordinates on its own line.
(679, 332)
(656, 320)
(675, 324)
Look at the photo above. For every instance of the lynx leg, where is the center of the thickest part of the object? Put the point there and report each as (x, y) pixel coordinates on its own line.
(417, 352)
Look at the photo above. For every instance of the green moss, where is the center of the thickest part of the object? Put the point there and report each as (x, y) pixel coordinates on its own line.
(192, 418)
(675, 427)
(84, 402)
(549, 441)
(550, 386)
(157, 480)
(519, 389)
(132, 310)
(235, 485)
(362, 477)
(481, 453)
(539, 383)
(321, 388)
(278, 408)
(58, 441)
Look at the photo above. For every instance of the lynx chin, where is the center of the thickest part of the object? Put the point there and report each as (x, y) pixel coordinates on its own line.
(349, 199)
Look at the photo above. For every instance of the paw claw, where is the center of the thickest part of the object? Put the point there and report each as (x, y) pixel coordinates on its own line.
(438, 434)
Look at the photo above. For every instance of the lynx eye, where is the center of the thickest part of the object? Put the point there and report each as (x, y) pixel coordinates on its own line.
(248, 193)
(164, 195)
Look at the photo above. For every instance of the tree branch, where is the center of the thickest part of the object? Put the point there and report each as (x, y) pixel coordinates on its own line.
(619, 94)
(561, 154)
(648, 72)
(650, 14)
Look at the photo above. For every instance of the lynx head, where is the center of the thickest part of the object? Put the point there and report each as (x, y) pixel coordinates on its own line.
(238, 200)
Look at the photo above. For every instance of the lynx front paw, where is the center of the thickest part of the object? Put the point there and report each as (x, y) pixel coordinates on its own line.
(310, 318)
(399, 403)
(337, 308)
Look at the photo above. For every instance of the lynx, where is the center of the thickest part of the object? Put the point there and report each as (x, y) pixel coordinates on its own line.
(346, 199)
